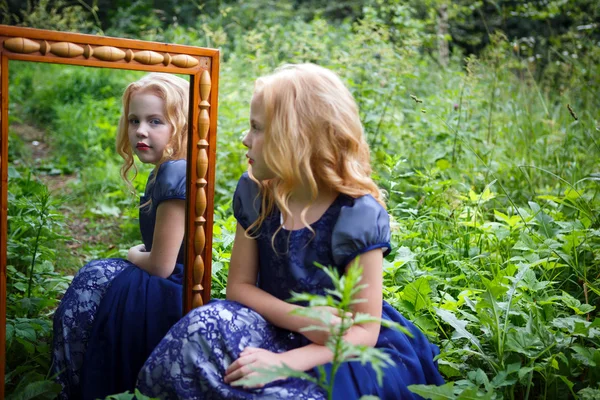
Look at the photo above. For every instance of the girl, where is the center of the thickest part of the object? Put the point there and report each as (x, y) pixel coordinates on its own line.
(307, 197)
(116, 310)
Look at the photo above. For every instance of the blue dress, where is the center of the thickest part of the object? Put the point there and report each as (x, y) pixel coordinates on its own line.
(190, 362)
(113, 314)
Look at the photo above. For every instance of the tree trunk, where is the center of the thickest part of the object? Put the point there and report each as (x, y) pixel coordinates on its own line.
(442, 32)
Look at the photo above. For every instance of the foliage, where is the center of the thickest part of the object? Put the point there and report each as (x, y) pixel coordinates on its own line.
(33, 284)
(129, 396)
(57, 15)
(490, 168)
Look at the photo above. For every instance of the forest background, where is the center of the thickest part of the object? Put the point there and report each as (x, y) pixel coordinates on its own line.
(483, 122)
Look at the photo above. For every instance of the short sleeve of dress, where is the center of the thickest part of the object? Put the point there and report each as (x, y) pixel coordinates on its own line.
(246, 201)
(361, 227)
(170, 182)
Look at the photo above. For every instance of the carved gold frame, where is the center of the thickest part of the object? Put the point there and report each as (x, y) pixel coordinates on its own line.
(201, 64)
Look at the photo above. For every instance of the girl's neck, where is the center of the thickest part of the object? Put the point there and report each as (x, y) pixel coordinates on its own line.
(302, 196)
(300, 199)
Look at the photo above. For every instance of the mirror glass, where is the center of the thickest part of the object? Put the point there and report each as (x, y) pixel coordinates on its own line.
(67, 202)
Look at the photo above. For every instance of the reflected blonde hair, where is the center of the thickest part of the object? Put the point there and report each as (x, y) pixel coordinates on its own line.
(313, 137)
(175, 92)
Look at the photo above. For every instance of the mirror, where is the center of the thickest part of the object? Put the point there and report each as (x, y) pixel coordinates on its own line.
(201, 65)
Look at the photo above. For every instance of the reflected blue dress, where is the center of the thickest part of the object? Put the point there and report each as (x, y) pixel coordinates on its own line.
(190, 362)
(113, 314)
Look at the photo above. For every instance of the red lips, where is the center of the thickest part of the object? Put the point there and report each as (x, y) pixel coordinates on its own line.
(142, 146)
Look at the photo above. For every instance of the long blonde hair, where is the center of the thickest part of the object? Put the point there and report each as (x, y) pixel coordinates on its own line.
(175, 92)
(313, 137)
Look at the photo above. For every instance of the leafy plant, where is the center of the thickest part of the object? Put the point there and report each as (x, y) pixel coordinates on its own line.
(32, 286)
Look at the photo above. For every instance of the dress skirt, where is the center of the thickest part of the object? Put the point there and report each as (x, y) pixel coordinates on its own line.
(109, 321)
(190, 362)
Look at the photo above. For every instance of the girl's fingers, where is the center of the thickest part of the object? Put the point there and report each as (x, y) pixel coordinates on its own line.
(234, 375)
(240, 362)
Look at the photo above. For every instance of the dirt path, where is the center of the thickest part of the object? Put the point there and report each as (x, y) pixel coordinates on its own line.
(59, 185)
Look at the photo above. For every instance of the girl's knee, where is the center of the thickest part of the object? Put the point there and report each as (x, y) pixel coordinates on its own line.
(102, 270)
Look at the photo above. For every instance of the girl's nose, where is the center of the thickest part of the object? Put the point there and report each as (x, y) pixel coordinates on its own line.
(246, 139)
(141, 130)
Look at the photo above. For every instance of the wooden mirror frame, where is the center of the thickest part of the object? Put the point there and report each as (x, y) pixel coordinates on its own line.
(201, 64)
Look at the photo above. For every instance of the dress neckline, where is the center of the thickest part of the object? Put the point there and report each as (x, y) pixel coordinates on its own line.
(312, 225)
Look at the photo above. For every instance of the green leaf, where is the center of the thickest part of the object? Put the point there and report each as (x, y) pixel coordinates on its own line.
(521, 341)
(40, 389)
(403, 255)
(524, 371)
(474, 393)
(140, 396)
(266, 375)
(568, 383)
(432, 392)
(572, 194)
(576, 305)
(501, 380)
(544, 220)
(511, 221)
(25, 331)
(106, 210)
(121, 396)
(589, 394)
(479, 377)
(10, 332)
(417, 293)
(525, 243)
(458, 325)
(442, 164)
(585, 355)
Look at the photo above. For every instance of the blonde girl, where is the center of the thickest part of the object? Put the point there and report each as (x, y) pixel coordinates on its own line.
(307, 197)
(116, 310)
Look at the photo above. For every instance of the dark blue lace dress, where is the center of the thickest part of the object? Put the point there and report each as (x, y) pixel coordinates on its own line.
(190, 362)
(114, 313)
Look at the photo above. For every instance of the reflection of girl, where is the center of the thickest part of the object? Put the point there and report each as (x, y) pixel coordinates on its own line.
(307, 197)
(116, 310)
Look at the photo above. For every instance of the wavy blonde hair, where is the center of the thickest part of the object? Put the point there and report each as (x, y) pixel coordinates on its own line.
(313, 137)
(175, 92)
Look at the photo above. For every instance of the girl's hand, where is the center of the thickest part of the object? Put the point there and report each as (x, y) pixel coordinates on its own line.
(250, 359)
(318, 336)
(133, 253)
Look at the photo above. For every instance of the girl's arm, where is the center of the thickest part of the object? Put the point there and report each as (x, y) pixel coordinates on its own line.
(241, 286)
(169, 230)
(312, 355)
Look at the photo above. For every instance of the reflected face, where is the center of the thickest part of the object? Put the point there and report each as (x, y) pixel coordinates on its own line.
(149, 132)
(254, 140)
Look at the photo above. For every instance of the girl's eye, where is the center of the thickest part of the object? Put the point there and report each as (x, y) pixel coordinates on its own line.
(155, 121)
(133, 121)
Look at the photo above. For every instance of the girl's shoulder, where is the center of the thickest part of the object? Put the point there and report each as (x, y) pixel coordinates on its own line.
(172, 167)
(170, 182)
(362, 208)
(362, 225)
(246, 201)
